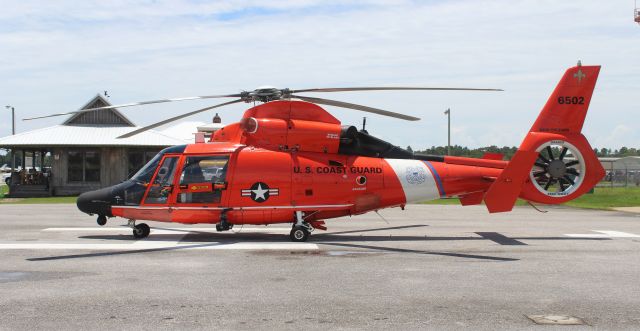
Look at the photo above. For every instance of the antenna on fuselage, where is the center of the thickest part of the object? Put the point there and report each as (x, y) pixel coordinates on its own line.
(364, 125)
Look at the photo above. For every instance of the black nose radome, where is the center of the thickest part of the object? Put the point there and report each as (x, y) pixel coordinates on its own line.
(96, 202)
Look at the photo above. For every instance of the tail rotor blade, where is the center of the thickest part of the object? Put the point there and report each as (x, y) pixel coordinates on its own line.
(175, 118)
(550, 152)
(342, 104)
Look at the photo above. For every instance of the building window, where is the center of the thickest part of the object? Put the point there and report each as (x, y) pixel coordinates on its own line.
(91, 166)
(75, 167)
(84, 166)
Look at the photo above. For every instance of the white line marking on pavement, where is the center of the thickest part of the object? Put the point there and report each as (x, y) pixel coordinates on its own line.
(174, 241)
(603, 234)
(586, 235)
(172, 230)
(159, 245)
(617, 234)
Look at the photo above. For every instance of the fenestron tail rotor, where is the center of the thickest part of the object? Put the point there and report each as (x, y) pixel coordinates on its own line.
(267, 94)
(559, 169)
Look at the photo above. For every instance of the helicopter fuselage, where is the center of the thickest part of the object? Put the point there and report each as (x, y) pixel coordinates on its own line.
(258, 186)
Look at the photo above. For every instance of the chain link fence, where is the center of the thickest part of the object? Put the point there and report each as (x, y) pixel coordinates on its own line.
(620, 172)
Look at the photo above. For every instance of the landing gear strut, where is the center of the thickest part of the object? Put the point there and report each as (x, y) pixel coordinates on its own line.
(301, 230)
(139, 231)
(224, 224)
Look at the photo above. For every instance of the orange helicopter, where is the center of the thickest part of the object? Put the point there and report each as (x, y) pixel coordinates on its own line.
(290, 161)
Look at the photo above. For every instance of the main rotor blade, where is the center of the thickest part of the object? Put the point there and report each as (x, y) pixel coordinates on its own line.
(356, 107)
(137, 104)
(391, 88)
(175, 118)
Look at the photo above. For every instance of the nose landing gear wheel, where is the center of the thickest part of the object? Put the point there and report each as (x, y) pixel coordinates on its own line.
(141, 231)
(299, 233)
(102, 220)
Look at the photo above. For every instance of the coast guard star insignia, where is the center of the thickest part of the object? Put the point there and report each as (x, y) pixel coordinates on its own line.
(260, 192)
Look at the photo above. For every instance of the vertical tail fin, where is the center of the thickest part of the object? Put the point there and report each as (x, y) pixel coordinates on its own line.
(567, 106)
(555, 162)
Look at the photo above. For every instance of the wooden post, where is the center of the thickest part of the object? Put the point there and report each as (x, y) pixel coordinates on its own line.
(13, 160)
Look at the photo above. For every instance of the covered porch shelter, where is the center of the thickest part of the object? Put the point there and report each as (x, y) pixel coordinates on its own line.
(81, 154)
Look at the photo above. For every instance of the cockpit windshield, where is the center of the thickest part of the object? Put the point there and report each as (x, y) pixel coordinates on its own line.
(144, 175)
(133, 189)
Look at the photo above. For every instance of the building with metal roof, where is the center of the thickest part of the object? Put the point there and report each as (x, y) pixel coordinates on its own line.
(83, 153)
(621, 171)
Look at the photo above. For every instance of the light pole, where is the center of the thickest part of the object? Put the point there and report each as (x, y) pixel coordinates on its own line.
(448, 113)
(13, 119)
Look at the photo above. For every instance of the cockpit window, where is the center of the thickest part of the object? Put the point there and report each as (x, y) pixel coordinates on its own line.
(134, 188)
(203, 170)
(163, 182)
(144, 175)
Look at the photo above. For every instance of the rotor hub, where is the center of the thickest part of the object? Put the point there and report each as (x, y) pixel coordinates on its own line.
(266, 94)
(557, 168)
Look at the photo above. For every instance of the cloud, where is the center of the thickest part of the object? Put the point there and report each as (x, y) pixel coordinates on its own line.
(615, 138)
(56, 55)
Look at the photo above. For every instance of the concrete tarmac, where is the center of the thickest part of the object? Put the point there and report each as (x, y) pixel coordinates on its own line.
(428, 267)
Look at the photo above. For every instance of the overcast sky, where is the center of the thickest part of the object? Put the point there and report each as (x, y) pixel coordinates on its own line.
(56, 55)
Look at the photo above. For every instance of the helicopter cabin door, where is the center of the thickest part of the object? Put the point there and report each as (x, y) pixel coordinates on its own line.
(201, 193)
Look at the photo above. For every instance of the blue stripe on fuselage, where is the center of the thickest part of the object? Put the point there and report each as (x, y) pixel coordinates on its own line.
(437, 177)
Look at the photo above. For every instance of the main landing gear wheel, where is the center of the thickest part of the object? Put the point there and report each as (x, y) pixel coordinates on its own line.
(299, 233)
(141, 231)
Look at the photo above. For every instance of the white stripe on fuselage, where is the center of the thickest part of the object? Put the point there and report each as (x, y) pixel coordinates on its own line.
(416, 179)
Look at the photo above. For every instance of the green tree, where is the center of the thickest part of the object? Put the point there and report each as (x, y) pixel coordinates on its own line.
(623, 151)
(604, 152)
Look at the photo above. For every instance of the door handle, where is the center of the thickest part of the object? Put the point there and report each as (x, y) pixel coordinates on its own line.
(220, 186)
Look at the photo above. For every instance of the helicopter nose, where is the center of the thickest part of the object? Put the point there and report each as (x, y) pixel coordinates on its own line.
(96, 202)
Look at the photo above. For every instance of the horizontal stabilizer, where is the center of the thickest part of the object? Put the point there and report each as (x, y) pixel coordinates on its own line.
(502, 194)
(471, 199)
(493, 156)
